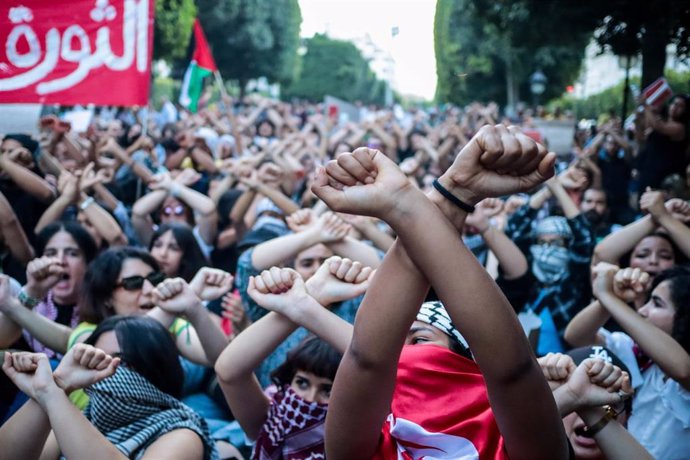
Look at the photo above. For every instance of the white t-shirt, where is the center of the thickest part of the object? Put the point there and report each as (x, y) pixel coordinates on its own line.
(661, 406)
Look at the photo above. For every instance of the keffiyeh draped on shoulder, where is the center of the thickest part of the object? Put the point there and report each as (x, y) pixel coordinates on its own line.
(132, 413)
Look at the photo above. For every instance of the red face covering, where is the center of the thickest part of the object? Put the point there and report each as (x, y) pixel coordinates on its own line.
(440, 409)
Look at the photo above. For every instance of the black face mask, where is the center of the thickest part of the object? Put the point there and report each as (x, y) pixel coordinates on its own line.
(593, 217)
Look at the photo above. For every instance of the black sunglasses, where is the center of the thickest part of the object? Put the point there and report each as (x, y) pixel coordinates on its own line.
(133, 283)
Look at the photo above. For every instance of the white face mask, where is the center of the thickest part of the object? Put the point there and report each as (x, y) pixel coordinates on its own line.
(549, 263)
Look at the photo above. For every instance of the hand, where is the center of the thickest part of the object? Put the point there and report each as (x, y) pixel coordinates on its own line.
(490, 207)
(21, 156)
(30, 372)
(270, 174)
(653, 203)
(630, 284)
(234, 311)
(557, 368)
(68, 186)
(498, 161)
(82, 366)
(176, 296)
(42, 274)
(596, 382)
(679, 209)
(478, 221)
(211, 283)
(89, 178)
(364, 182)
(339, 279)
(301, 220)
(188, 177)
(280, 290)
(161, 181)
(573, 178)
(513, 203)
(330, 228)
(603, 278)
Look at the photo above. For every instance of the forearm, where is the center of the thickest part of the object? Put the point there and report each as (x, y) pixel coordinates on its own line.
(13, 234)
(53, 213)
(537, 200)
(246, 352)
(105, 197)
(678, 231)
(569, 207)
(25, 433)
(105, 224)
(204, 161)
(242, 205)
(380, 239)
(510, 258)
(615, 442)
(324, 324)
(618, 243)
(174, 160)
(283, 202)
(212, 338)
(77, 437)
(356, 250)
(282, 249)
(49, 333)
(195, 200)
(583, 328)
(27, 180)
(74, 149)
(149, 203)
(661, 348)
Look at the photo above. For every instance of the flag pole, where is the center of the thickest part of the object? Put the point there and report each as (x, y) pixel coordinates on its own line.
(223, 92)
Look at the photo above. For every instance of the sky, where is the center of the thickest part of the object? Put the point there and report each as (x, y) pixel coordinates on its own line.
(412, 49)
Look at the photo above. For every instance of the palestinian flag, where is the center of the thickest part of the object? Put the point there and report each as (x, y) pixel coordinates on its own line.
(201, 66)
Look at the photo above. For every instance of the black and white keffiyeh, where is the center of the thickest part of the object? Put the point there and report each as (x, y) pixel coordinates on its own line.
(132, 413)
(435, 314)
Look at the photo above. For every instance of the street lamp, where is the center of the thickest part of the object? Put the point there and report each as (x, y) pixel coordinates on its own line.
(537, 85)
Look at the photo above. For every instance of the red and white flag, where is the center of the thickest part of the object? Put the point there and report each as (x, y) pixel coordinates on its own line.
(440, 410)
(76, 51)
(657, 93)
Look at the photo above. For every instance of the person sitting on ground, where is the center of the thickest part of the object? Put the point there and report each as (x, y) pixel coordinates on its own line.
(390, 400)
(304, 380)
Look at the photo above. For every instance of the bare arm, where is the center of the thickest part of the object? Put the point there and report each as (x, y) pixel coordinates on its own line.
(12, 233)
(27, 180)
(617, 244)
(583, 328)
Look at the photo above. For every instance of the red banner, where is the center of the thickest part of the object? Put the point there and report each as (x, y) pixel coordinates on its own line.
(76, 51)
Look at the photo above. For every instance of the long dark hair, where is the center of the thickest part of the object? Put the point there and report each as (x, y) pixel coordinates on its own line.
(310, 355)
(146, 347)
(192, 257)
(100, 281)
(79, 234)
(678, 279)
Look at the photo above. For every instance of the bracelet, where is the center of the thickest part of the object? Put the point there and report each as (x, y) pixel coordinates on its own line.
(26, 300)
(86, 203)
(591, 431)
(468, 208)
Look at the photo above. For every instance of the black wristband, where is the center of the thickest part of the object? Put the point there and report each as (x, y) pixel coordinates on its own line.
(468, 208)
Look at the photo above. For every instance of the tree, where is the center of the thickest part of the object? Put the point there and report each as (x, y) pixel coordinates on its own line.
(629, 27)
(336, 68)
(253, 38)
(172, 28)
(486, 50)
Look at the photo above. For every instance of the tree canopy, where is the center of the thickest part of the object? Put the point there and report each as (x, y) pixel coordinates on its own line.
(253, 38)
(336, 68)
(172, 28)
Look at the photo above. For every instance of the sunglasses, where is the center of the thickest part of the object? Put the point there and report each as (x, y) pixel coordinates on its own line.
(134, 283)
(176, 210)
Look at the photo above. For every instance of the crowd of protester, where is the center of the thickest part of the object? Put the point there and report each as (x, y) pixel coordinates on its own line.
(274, 280)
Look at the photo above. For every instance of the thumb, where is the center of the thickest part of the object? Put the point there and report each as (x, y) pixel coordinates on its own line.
(322, 189)
(543, 171)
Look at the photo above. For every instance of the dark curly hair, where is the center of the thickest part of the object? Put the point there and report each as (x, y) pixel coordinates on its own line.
(310, 355)
(678, 278)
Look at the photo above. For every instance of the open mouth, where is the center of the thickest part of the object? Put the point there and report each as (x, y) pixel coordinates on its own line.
(148, 306)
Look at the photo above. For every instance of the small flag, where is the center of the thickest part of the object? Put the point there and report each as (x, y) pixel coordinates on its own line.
(657, 93)
(201, 66)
